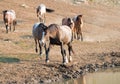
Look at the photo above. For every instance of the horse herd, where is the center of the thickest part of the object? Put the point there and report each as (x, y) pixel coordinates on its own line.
(54, 34)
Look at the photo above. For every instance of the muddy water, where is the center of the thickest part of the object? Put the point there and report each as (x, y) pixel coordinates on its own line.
(109, 76)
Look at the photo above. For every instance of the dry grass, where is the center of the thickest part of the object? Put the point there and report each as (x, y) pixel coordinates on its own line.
(101, 33)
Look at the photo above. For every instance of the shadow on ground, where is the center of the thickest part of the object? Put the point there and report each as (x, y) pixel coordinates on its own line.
(9, 60)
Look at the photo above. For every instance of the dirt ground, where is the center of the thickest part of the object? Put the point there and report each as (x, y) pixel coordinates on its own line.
(100, 49)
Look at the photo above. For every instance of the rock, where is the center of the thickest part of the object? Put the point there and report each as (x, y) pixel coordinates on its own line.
(24, 6)
(66, 76)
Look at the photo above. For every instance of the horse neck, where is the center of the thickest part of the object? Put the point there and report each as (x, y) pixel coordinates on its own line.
(53, 32)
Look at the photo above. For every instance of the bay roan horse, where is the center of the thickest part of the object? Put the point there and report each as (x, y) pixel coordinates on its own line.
(69, 22)
(38, 32)
(41, 11)
(58, 35)
(78, 27)
(9, 18)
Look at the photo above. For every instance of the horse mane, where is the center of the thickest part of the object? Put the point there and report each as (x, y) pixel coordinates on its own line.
(42, 26)
(78, 18)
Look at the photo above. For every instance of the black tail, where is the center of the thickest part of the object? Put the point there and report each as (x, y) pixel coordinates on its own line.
(49, 10)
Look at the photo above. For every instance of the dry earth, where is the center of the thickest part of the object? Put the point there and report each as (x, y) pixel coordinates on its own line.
(100, 49)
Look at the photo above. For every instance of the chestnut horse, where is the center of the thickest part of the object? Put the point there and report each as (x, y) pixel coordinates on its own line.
(58, 35)
(69, 22)
(38, 32)
(78, 26)
(41, 11)
(9, 18)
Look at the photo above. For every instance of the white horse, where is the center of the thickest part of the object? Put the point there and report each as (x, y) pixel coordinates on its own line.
(41, 11)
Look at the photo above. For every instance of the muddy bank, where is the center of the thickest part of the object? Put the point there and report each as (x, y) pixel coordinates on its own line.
(38, 72)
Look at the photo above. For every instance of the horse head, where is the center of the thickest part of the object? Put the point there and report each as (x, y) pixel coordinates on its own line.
(44, 28)
(50, 32)
(79, 19)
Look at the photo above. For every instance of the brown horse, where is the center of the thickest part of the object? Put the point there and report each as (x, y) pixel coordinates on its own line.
(69, 22)
(78, 26)
(41, 11)
(9, 18)
(58, 35)
(38, 33)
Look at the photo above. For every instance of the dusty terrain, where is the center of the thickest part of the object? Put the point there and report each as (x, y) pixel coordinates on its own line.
(100, 49)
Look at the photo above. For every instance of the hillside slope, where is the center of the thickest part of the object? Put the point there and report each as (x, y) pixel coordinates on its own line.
(20, 64)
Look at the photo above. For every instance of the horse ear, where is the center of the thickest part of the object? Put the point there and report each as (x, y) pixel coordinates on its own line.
(80, 15)
(69, 21)
(4, 11)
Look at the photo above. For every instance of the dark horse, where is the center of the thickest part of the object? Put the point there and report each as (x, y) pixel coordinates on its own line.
(78, 26)
(41, 11)
(9, 18)
(58, 35)
(38, 33)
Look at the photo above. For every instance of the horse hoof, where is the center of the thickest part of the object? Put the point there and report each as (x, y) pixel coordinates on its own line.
(64, 63)
(47, 61)
(70, 59)
(41, 54)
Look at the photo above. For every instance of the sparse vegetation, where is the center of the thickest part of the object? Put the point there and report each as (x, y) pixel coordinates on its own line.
(107, 2)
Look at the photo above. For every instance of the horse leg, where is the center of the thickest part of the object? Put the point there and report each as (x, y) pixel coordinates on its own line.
(72, 36)
(44, 19)
(10, 26)
(6, 28)
(13, 28)
(47, 50)
(75, 34)
(70, 50)
(14, 23)
(81, 36)
(36, 45)
(78, 36)
(40, 47)
(63, 52)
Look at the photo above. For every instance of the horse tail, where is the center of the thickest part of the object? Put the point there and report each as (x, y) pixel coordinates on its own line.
(49, 10)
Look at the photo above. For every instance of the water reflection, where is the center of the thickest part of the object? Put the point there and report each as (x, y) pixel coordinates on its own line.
(102, 78)
(109, 76)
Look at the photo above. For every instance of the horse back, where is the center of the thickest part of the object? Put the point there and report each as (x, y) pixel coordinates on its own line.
(9, 16)
(59, 34)
(65, 34)
(37, 31)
